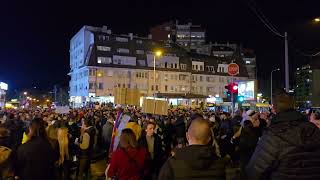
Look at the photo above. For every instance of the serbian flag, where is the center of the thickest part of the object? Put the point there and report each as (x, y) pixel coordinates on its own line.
(120, 123)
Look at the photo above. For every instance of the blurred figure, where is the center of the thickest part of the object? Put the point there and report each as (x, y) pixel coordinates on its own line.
(107, 132)
(249, 137)
(64, 158)
(196, 161)
(289, 149)
(315, 119)
(6, 155)
(86, 145)
(36, 158)
(128, 161)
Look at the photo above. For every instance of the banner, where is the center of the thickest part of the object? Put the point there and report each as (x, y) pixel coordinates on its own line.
(151, 106)
(127, 96)
(120, 123)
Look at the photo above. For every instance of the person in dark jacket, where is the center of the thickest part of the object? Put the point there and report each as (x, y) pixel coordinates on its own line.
(152, 143)
(35, 160)
(249, 137)
(196, 161)
(289, 148)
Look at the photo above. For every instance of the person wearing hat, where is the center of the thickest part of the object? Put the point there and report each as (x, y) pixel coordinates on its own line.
(249, 137)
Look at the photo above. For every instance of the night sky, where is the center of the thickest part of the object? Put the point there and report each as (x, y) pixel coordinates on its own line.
(34, 35)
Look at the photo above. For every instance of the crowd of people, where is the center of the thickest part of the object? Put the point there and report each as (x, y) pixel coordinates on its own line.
(40, 144)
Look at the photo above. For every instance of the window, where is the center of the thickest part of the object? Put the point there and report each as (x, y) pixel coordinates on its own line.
(175, 66)
(166, 88)
(142, 62)
(172, 65)
(119, 85)
(123, 50)
(183, 66)
(152, 88)
(104, 60)
(129, 85)
(122, 39)
(171, 88)
(196, 67)
(100, 85)
(92, 72)
(169, 36)
(210, 68)
(201, 68)
(201, 78)
(208, 79)
(110, 73)
(91, 85)
(103, 48)
(139, 41)
(123, 85)
(247, 62)
(140, 51)
(156, 87)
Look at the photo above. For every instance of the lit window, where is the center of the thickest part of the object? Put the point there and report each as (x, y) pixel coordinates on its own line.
(310, 71)
(169, 36)
(139, 41)
(103, 48)
(247, 62)
(104, 60)
(123, 50)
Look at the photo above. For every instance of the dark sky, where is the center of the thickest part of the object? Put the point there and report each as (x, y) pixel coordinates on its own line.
(34, 35)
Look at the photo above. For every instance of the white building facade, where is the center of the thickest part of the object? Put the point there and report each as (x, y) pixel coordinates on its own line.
(101, 61)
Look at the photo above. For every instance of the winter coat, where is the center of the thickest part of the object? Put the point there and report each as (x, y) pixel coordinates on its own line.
(248, 141)
(288, 149)
(194, 162)
(128, 164)
(35, 160)
(107, 131)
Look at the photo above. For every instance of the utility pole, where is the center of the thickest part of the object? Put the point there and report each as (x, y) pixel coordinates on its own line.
(286, 61)
(55, 93)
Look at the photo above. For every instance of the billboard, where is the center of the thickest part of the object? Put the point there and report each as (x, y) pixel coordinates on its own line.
(3, 86)
(247, 90)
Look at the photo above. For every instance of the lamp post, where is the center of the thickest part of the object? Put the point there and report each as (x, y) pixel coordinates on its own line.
(271, 83)
(156, 54)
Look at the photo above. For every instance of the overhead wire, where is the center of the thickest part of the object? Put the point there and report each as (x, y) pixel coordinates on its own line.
(253, 6)
(263, 19)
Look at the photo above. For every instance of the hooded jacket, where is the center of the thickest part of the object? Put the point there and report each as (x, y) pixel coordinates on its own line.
(193, 162)
(288, 149)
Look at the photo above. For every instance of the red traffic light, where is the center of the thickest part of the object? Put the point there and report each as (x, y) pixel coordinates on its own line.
(234, 87)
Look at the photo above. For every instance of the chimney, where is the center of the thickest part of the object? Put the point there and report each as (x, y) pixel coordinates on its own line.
(131, 36)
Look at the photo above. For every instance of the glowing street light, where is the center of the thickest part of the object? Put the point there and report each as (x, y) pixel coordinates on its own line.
(25, 93)
(317, 20)
(157, 53)
(48, 100)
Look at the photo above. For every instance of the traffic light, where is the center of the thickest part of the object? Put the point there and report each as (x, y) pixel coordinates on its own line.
(240, 99)
(232, 89)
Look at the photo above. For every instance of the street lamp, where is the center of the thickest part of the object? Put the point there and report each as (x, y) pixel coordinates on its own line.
(271, 83)
(317, 20)
(158, 54)
(25, 93)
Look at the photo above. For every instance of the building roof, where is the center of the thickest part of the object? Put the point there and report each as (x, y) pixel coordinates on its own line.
(169, 48)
